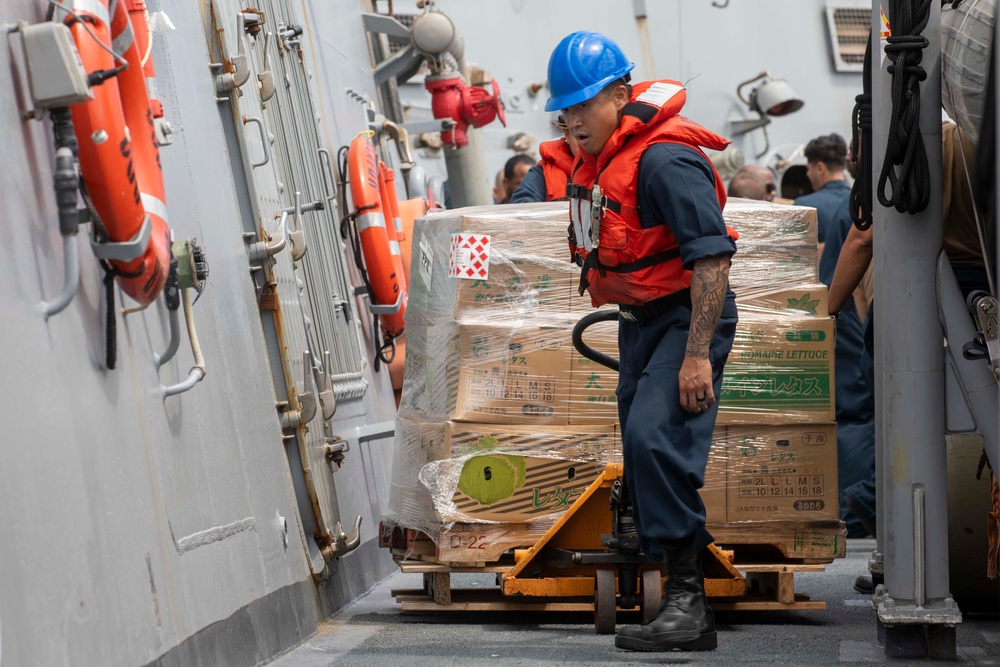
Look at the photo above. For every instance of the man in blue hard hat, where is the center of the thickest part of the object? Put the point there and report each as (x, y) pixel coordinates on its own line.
(647, 229)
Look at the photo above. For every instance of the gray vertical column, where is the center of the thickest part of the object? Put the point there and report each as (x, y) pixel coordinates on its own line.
(915, 609)
(881, 108)
(467, 180)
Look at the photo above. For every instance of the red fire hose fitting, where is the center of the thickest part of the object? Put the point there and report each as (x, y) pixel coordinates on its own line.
(466, 105)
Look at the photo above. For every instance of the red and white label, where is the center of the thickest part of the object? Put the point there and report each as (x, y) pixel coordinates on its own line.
(469, 257)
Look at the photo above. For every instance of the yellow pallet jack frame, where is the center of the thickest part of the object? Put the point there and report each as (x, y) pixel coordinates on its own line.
(578, 531)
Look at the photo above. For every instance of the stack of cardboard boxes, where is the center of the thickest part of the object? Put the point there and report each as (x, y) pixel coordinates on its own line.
(774, 451)
(502, 420)
(484, 428)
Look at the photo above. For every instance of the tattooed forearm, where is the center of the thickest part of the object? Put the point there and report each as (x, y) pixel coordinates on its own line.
(709, 282)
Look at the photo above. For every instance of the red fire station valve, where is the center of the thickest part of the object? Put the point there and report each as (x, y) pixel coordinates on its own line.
(466, 105)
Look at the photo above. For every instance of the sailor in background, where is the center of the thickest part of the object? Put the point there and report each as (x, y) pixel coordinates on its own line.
(547, 180)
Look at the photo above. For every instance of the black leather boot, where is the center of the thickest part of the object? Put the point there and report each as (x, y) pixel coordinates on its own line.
(685, 622)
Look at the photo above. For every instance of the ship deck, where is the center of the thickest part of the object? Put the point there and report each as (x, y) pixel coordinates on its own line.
(375, 631)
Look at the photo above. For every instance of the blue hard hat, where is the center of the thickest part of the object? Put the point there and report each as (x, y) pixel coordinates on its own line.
(581, 65)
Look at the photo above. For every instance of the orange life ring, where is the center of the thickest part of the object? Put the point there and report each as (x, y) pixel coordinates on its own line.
(383, 275)
(397, 220)
(388, 196)
(119, 156)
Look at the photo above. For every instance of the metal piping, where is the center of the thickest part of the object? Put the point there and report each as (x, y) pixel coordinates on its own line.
(71, 278)
(66, 183)
(197, 372)
(402, 141)
(433, 34)
(919, 597)
(262, 250)
(173, 343)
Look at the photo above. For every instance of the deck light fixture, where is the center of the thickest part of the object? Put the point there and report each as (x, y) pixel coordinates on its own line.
(771, 97)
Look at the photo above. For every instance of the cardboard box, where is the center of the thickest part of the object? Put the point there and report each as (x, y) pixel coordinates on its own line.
(513, 375)
(777, 244)
(418, 441)
(522, 288)
(492, 472)
(782, 473)
(527, 242)
(757, 267)
(529, 268)
(799, 301)
(714, 492)
(599, 443)
(512, 487)
(780, 371)
(430, 378)
(761, 223)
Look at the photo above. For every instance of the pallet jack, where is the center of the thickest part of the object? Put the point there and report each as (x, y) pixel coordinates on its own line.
(593, 548)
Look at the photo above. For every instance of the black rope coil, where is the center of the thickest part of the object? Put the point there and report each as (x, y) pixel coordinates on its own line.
(905, 170)
(861, 136)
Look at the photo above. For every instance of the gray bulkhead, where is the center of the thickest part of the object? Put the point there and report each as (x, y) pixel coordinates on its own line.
(138, 528)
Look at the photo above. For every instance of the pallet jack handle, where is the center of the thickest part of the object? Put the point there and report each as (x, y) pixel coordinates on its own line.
(584, 349)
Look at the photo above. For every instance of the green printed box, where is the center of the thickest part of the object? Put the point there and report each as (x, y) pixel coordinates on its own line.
(797, 301)
(780, 371)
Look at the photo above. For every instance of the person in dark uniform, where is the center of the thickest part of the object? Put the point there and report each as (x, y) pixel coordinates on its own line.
(514, 171)
(826, 161)
(647, 228)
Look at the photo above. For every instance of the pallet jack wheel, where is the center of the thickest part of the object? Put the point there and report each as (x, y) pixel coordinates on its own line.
(604, 602)
(652, 595)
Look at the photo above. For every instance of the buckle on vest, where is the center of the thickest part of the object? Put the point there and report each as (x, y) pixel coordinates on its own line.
(598, 202)
(628, 315)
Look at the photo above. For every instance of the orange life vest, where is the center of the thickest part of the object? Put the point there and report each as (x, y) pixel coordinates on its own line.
(622, 262)
(557, 163)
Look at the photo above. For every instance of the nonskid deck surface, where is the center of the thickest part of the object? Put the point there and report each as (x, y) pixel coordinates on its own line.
(374, 631)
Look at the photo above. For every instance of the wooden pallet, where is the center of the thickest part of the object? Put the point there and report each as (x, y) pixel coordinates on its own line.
(771, 587)
(477, 545)
(801, 542)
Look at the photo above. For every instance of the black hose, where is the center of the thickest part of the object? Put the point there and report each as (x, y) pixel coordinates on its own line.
(861, 147)
(910, 184)
(66, 178)
(111, 322)
(584, 349)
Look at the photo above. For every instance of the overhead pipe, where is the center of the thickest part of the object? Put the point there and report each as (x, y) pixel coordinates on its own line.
(468, 107)
(433, 35)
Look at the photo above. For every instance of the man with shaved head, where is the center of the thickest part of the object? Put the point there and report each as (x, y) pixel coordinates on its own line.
(753, 181)
(746, 185)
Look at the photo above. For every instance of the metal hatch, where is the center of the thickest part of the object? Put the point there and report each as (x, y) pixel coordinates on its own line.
(313, 339)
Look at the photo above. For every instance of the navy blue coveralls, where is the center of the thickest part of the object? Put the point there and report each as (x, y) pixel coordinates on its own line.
(665, 447)
(855, 395)
(826, 201)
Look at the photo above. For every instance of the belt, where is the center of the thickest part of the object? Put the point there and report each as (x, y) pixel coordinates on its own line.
(656, 307)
